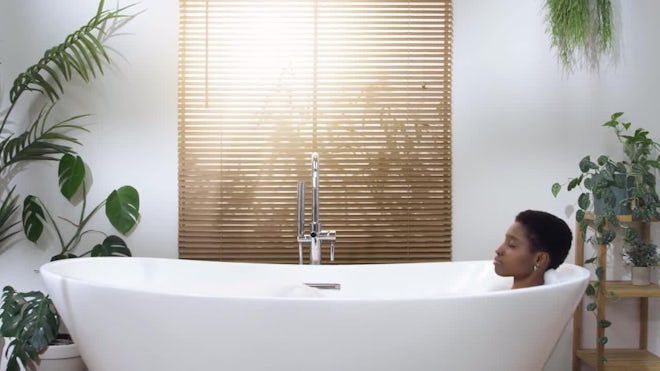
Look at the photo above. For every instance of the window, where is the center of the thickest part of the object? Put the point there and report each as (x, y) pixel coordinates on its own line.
(366, 84)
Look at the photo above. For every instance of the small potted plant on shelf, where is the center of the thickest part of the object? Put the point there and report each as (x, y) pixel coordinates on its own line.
(29, 320)
(642, 255)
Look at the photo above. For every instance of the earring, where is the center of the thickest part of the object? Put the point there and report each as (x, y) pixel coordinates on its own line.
(536, 267)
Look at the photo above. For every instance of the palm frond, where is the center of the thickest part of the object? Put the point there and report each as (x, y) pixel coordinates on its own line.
(8, 208)
(40, 141)
(81, 52)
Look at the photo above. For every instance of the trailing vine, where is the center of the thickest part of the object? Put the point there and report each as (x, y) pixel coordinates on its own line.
(580, 30)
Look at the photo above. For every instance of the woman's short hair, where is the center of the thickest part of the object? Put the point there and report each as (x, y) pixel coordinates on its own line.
(547, 233)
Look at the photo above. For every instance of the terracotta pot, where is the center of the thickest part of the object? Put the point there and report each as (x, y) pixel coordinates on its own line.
(641, 276)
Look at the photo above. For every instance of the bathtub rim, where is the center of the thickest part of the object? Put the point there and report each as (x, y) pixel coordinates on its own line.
(583, 274)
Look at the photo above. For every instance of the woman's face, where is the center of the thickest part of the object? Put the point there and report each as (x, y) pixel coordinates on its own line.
(514, 256)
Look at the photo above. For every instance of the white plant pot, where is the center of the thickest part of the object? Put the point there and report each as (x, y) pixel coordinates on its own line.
(61, 357)
(641, 276)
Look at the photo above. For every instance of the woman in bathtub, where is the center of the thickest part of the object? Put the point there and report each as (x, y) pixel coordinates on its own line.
(534, 245)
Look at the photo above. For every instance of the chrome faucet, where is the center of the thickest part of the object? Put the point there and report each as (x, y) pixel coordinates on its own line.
(316, 234)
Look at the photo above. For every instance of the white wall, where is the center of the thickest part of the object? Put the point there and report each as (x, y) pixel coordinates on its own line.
(520, 122)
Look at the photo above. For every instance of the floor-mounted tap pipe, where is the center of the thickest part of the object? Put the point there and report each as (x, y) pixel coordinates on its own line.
(316, 234)
(315, 227)
(301, 219)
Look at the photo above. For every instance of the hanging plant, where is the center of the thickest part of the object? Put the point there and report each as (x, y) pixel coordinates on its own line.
(580, 30)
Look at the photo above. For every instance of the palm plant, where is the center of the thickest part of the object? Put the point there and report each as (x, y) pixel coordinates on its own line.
(82, 55)
(30, 318)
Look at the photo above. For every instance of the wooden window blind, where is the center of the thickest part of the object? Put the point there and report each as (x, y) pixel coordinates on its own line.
(366, 84)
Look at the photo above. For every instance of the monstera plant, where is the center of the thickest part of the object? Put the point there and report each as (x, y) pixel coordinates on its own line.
(29, 319)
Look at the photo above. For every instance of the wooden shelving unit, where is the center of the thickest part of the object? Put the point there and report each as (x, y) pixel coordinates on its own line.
(617, 359)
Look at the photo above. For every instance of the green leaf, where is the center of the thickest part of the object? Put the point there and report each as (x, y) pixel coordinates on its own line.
(599, 272)
(33, 218)
(555, 189)
(592, 307)
(584, 225)
(40, 142)
(584, 201)
(590, 291)
(71, 172)
(79, 52)
(602, 340)
(585, 164)
(607, 237)
(631, 234)
(613, 220)
(579, 215)
(604, 323)
(8, 208)
(602, 160)
(599, 223)
(574, 183)
(111, 246)
(63, 256)
(123, 208)
(620, 168)
(590, 260)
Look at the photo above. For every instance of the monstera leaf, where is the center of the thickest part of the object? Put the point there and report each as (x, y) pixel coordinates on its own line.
(71, 173)
(33, 218)
(111, 246)
(123, 208)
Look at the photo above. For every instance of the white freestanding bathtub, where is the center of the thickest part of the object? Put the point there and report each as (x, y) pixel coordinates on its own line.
(153, 314)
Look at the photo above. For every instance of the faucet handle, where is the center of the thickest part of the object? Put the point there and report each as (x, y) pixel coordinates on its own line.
(332, 250)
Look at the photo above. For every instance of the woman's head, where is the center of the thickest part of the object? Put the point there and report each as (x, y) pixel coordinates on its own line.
(535, 242)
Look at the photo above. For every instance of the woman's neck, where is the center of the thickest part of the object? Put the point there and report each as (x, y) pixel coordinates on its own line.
(535, 279)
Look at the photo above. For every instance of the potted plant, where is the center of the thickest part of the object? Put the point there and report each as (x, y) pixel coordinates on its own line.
(642, 255)
(29, 319)
(618, 187)
(641, 168)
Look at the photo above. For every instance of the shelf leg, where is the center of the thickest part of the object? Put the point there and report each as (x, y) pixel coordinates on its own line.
(643, 323)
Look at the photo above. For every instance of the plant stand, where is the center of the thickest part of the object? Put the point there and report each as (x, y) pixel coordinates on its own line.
(617, 359)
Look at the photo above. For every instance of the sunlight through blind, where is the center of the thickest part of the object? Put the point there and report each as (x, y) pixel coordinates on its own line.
(366, 84)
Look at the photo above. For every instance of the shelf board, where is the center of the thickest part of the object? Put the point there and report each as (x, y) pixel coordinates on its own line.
(625, 289)
(627, 218)
(622, 359)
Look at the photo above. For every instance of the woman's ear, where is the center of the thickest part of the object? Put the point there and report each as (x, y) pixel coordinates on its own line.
(542, 260)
